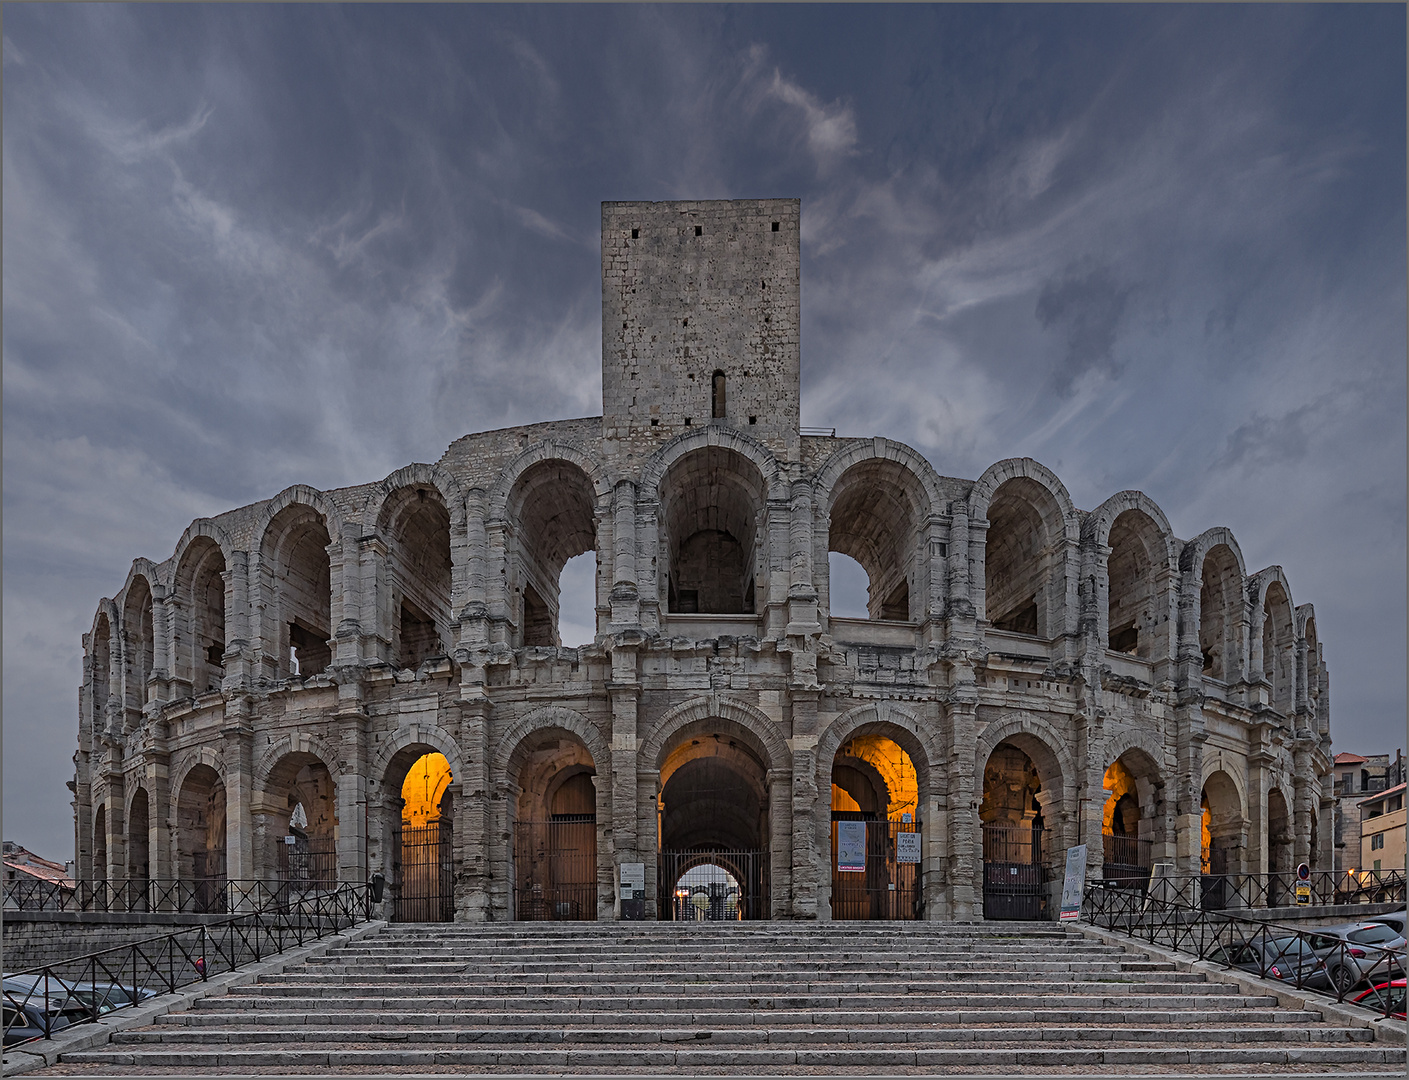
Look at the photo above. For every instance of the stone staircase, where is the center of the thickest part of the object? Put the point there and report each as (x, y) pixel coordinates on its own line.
(755, 998)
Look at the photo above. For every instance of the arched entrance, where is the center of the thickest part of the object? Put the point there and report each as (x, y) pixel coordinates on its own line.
(875, 830)
(1130, 825)
(138, 856)
(713, 812)
(1016, 877)
(422, 878)
(1223, 834)
(200, 837)
(555, 829)
(303, 824)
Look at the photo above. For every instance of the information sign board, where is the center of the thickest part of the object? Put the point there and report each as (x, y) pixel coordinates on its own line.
(851, 847)
(907, 847)
(1074, 884)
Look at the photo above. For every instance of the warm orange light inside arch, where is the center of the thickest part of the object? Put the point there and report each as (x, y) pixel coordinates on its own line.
(1119, 781)
(893, 764)
(423, 789)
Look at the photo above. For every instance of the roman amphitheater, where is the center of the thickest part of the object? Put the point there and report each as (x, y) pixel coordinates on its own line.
(368, 683)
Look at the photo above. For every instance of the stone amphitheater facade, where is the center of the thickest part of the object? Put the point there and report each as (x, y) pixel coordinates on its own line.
(307, 650)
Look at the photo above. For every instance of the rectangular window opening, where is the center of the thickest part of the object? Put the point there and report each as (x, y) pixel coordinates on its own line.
(775, 226)
(635, 234)
(753, 419)
(699, 230)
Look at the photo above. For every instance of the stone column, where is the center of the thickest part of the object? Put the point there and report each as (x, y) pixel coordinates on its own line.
(352, 722)
(237, 737)
(965, 792)
(472, 812)
(806, 807)
(625, 594)
(158, 784)
(780, 842)
(1302, 808)
(625, 797)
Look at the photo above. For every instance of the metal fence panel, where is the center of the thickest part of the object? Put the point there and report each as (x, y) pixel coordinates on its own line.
(888, 889)
(555, 866)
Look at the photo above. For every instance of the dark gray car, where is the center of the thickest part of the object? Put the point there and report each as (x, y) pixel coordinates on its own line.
(1288, 958)
(1353, 951)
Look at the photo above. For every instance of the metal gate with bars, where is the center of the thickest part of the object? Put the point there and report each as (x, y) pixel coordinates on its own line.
(309, 862)
(888, 888)
(1014, 879)
(209, 870)
(555, 867)
(1126, 859)
(712, 886)
(424, 879)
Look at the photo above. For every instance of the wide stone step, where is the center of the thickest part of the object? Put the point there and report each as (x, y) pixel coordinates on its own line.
(345, 1057)
(1234, 1011)
(1072, 1033)
(848, 1003)
(657, 980)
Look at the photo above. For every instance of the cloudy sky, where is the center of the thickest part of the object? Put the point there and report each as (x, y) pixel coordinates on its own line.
(1154, 247)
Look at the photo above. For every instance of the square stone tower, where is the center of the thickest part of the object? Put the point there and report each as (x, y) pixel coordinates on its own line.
(700, 319)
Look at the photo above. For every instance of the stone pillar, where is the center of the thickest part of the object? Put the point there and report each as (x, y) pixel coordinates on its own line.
(806, 807)
(625, 594)
(352, 722)
(115, 821)
(158, 784)
(935, 832)
(237, 737)
(965, 792)
(625, 797)
(1302, 808)
(472, 812)
(780, 842)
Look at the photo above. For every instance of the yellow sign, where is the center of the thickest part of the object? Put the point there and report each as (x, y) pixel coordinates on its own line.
(1303, 892)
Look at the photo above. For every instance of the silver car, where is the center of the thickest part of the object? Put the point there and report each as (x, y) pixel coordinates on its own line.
(1352, 951)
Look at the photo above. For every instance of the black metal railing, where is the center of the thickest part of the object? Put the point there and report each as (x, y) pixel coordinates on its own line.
(1223, 892)
(198, 897)
(84, 988)
(1305, 958)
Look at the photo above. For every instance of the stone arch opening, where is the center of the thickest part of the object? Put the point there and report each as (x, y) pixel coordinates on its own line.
(1131, 822)
(1224, 835)
(555, 828)
(1313, 676)
(423, 855)
(417, 526)
(101, 653)
(138, 649)
(200, 836)
(874, 520)
(302, 822)
(100, 843)
(1135, 616)
(1279, 648)
(139, 865)
(1019, 551)
(1218, 600)
(1279, 839)
(713, 808)
(200, 593)
(295, 553)
(712, 504)
(875, 802)
(1017, 816)
(552, 518)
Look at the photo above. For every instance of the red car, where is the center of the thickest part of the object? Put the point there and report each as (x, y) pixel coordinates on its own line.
(1384, 995)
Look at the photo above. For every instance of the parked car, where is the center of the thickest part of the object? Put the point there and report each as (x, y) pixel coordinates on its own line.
(1354, 951)
(1289, 958)
(32, 989)
(1382, 996)
(1395, 920)
(25, 1019)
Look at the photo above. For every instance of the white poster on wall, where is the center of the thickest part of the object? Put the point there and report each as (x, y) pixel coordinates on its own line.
(851, 846)
(907, 847)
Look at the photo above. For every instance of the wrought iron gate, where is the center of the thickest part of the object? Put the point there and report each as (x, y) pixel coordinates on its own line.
(423, 888)
(310, 862)
(712, 886)
(888, 888)
(1014, 879)
(555, 868)
(1126, 859)
(209, 870)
